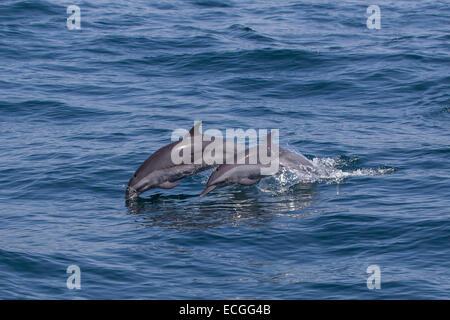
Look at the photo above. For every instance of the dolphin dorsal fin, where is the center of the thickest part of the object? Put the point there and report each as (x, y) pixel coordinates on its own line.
(269, 144)
(195, 130)
(268, 141)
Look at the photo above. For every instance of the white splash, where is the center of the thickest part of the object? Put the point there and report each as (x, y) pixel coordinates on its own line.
(326, 171)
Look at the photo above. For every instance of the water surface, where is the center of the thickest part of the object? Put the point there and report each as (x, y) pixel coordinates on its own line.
(81, 109)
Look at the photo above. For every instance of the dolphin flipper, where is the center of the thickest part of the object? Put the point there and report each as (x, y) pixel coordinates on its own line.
(207, 189)
(168, 185)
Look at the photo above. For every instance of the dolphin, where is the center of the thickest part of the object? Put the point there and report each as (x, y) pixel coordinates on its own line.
(159, 170)
(249, 174)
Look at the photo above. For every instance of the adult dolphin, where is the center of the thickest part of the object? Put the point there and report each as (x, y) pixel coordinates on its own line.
(248, 174)
(160, 171)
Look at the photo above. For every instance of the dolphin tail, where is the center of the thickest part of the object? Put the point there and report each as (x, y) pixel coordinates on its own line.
(207, 190)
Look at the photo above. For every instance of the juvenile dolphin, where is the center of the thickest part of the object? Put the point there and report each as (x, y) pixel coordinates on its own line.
(159, 170)
(250, 174)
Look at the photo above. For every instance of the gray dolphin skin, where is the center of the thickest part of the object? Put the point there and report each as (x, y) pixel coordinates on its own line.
(159, 171)
(250, 174)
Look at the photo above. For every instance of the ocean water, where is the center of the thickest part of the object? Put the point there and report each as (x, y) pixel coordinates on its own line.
(81, 109)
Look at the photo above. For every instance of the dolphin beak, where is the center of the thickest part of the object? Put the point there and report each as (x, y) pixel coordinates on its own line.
(135, 188)
(131, 193)
(207, 190)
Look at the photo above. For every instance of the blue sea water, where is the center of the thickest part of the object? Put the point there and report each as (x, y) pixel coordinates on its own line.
(81, 109)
